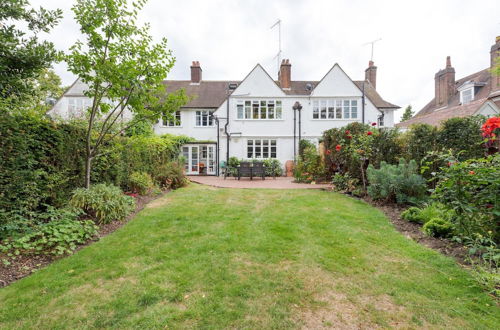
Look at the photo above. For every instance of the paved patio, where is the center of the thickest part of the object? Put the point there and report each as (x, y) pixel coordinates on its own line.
(268, 183)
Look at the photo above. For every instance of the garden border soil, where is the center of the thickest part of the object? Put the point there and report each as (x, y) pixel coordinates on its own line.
(25, 265)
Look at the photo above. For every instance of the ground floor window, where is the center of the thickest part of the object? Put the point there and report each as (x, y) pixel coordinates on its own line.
(261, 148)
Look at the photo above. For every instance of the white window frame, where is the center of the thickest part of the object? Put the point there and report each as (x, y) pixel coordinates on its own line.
(466, 99)
(261, 148)
(201, 116)
(173, 122)
(259, 110)
(78, 104)
(335, 109)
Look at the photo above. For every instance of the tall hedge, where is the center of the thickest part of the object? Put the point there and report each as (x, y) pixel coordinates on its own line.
(41, 161)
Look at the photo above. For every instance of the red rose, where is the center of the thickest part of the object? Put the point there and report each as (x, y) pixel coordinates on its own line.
(374, 124)
(472, 172)
(328, 152)
(338, 147)
(349, 137)
(347, 132)
(369, 133)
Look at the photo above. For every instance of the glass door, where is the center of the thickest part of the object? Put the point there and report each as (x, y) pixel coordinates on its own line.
(199, 159)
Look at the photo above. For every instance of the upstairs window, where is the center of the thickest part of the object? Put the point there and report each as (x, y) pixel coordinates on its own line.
(259, 109)
(172, 122)
(204, 118)
(335, 109)
(466, 96)
(78, 104)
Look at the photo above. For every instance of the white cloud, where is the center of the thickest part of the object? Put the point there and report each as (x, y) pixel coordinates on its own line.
(229, 37)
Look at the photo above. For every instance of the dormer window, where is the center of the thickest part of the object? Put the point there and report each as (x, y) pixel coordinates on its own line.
(466, 96)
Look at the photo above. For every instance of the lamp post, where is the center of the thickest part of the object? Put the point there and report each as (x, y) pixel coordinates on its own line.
(296, 107)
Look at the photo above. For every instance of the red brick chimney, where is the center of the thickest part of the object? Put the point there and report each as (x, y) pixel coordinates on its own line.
(495, 53)
(444, 84)
(285, 74)
(196, 72)
(371, 74)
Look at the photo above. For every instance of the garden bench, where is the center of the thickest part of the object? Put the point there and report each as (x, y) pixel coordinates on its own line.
(247, 169)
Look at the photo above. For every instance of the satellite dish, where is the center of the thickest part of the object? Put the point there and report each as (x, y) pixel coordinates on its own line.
(309, 86)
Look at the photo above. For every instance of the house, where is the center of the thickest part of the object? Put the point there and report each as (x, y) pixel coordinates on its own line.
(255, 117)
(475, 94)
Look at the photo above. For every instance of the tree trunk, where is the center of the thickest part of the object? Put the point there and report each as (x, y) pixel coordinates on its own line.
(88, 166)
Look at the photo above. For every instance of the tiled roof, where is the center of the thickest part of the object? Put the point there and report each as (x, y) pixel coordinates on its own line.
(482, 76)
(436, 117)
(211, 93)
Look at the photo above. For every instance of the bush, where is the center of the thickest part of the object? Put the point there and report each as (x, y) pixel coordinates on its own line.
(310, 167)
(396, 183)
(471, 190)
(60, 236)
(273, 167)
(344, 183)
(141, 183)
(171, 175)
(102, 202)
(419, 140)
(438, 227)
(413, 215)
(462, 135)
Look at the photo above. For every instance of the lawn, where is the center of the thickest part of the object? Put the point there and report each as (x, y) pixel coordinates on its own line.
(204, 257)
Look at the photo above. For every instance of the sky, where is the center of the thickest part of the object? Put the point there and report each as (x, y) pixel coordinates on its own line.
(229, 37)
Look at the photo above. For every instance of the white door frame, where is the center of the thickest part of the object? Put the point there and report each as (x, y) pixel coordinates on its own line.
(197, 153)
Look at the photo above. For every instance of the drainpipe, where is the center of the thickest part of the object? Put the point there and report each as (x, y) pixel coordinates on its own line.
(363, 104)
(228, 136)
(218, 145)
(294, 135)
(297, 107)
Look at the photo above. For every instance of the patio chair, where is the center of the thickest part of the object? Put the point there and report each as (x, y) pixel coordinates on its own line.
(259, 169)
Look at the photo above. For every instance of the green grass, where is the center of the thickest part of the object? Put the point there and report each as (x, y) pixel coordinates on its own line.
(212, 258)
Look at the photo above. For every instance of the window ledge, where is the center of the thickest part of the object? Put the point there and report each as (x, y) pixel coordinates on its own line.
(258, 119)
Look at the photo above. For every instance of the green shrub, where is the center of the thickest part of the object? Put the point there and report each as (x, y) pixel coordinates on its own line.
(470, 189)
(438, 227)
(413, 215)
(305, 144)
(310, 167)
(141, 183)
(273, 167)
(171, 175)
(344, 183)
(60, 236)
(419, 140)
(462, 135)
(102, 202)
(396, 183)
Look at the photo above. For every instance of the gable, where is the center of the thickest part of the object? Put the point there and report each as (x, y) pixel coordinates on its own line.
(488, 109)
(336, 83)
(259, 83)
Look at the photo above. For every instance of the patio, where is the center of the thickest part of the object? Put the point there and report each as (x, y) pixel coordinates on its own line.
(269, 183)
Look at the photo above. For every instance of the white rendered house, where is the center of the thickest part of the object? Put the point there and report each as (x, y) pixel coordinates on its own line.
(255, 117)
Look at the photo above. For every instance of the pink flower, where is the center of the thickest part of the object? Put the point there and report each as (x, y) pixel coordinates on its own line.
(374, 124)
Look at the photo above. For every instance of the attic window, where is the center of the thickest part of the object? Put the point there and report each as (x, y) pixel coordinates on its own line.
(466, 96)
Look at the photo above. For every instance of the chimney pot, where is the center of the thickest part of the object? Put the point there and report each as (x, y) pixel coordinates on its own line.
(448, 62)
(196, 72)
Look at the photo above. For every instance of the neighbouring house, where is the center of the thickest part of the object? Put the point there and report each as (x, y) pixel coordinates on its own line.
(475, 94)
(255, 117)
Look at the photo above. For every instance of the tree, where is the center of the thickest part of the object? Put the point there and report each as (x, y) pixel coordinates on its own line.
(22, 56)
(407, 114)
(123, 70)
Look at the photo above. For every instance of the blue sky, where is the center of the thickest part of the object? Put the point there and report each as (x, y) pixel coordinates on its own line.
(229, 37)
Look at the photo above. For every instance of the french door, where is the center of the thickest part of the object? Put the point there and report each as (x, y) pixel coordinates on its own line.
(199, 159)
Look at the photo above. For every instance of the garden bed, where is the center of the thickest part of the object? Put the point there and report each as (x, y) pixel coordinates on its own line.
(25, 265)
(414, 231)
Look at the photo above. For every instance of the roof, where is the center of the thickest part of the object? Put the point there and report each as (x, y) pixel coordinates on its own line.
(482, 76)
(433, 115)
(436, 117)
